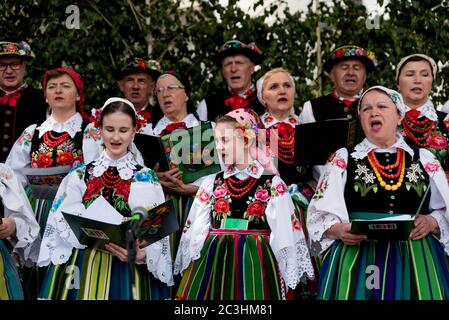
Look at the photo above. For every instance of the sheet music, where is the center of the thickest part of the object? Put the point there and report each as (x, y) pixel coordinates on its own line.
(101, 210)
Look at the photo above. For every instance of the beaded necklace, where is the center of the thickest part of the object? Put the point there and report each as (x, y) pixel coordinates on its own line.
(379, 170)
(109, 179)
(239, 188)
(52, 141)
(418, 130)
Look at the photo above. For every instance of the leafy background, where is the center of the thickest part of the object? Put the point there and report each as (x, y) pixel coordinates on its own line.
(186, 36)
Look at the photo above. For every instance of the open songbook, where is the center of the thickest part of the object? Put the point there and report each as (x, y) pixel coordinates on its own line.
(44, 182)
(385, 227)
(101, 224)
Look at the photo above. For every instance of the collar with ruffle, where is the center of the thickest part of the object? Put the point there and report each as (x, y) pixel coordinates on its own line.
(426, 110)
(125, 165)
(269, 121)
(363, 148)
(71, 126)
(190, 122)
(254, 169)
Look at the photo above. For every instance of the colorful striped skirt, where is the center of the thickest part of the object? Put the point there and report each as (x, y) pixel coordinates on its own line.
(97, 275)
(385, 270)
(41, 208)
(10, 285)
(234, 265)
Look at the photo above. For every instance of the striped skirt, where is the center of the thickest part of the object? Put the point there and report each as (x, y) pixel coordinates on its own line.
(10, 285)
(385, 270)
(41, 208)
(234, 265)
(97, 275)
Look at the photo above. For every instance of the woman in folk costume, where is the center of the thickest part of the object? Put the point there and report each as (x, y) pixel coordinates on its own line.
(423, 126)
(174, 97)
(58, 141)
(382, 177)
(276, 91)
(19, 234)
(118, 178)
(242, 239)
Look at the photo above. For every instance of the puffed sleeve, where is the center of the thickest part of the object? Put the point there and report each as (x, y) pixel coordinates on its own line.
(92, 143)
(59, 240)
(201, 110)
(306, 115)
(439, 194)
(27, 240)
(20, 155)
(196, 227)
(287, 237)
(146, 192)
(328, 205)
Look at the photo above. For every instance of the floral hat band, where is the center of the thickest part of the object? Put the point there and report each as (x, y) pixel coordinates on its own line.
(351, 52)
(137, 64)
(394, 96)
(16, 49)
(236, 47)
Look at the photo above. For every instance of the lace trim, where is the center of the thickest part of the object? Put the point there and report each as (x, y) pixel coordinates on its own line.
(159, 261)
(125, 165)
(294, 264)
(364, 147)
(71, 126)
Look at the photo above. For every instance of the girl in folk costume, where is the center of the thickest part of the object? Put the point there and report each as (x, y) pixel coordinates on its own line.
(423, 126)
(19, 234)
(116, 176)
(242, 238)
(383, 177)
(276, 91)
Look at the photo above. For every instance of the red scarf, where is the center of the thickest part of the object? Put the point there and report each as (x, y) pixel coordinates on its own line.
(239, 101)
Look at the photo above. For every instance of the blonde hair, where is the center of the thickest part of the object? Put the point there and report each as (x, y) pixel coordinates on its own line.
(261, 82)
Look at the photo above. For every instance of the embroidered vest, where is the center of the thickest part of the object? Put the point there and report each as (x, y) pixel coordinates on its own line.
(363, 192)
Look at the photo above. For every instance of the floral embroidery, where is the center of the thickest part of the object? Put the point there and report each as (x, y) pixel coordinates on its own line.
(437, 141)
(262, 195)
(67, 154)
(338, 161)
(268, 119)
(92, 132)
(57, 202)
(221, 200)
(25, 138)
(257, 204)
(321, 188)
(415, 179)
(295, 221)
(146, 175)
(253, 168)
(202, 196)
(364, 180)
(292, 120)
(279, 190)
(187, 226)
(432, 167)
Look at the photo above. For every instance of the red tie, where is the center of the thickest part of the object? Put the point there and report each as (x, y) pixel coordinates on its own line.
(11, 99)
(236, 102)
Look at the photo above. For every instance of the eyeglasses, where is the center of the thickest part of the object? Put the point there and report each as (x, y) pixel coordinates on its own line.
(12, 65)
(170, 88)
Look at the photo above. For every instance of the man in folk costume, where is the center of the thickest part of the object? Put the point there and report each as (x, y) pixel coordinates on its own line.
(348, 67)
(237, 61)
(20, 104)
(136, 81)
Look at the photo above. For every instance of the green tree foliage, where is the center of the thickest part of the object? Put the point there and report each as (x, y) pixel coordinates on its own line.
(186, 38)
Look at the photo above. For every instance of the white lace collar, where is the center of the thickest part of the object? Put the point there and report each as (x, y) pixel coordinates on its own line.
(125, 165)
(363, 148)
(190, 122)
(426, 110)
(269, 121)
(71, 126)
(254, 169)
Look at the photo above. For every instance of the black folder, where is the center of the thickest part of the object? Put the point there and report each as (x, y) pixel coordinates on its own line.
(316, 141)
(159, 223)
(383, 230)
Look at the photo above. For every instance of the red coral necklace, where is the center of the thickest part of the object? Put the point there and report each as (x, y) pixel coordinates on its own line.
(239, 188)
(52, 141)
